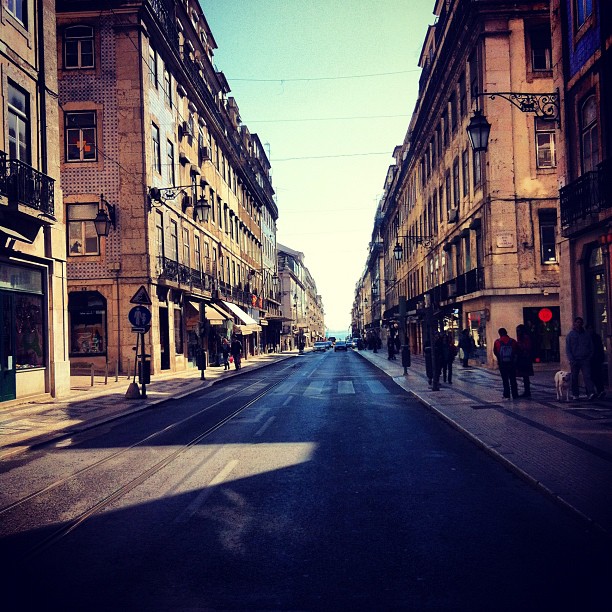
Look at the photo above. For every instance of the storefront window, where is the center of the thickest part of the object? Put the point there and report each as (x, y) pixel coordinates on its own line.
(478, 330)
(596, 292)
(87, 316)
(29, 339)
(544, 327)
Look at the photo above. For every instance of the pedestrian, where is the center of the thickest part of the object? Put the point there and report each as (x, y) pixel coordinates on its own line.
(465, 344)
(437, 360)
(236, 350)
(579, 351)
(428, 361)
(597, 361)
(524, 360)
(390, 348)
(225, 350)
(506, 351)
(449, 352)
(398, 345)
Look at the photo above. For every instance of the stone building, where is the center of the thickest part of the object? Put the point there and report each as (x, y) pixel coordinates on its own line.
(301, 305)
(152, 144)
(33, 338)
(582, 62)
(469, 237)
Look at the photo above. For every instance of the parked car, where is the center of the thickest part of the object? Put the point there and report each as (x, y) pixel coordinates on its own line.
(340, 346)
(320, 346)
(329, 343)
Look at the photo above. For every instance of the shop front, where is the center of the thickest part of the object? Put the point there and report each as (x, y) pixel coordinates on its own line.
(23, 332)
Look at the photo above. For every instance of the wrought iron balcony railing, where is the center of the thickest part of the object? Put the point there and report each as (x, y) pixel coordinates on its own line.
(585, 197)
(22, 184)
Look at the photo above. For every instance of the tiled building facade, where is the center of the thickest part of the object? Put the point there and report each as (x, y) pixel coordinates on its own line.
(150, 137)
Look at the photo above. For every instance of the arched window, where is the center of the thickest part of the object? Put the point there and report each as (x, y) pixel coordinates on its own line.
(589, 135)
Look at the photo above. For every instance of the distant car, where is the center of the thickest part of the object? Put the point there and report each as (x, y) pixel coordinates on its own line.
(351, 343)
(340, 346)
(320, 346)
(329, 343)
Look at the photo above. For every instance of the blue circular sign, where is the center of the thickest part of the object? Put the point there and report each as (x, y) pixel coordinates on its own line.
(139, 316)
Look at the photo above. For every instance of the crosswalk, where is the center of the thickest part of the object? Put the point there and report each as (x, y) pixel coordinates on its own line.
(321, 387)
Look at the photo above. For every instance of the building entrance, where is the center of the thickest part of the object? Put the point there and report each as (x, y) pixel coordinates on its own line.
(7, 348)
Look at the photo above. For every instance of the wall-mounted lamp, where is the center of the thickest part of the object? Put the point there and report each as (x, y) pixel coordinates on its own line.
(398, 250)
(161, 195)
(105, 218)
(542, 105)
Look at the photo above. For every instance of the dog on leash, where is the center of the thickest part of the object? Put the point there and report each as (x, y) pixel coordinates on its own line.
(563, 381)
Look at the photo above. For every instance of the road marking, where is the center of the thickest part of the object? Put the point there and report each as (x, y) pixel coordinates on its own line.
(198, 502)
(376, 387)
(265, 426)
(345, 386)
(315, 388)
(287, 400)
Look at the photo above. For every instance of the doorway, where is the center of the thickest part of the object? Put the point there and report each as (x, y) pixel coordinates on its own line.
(7, 348)
(164, 338)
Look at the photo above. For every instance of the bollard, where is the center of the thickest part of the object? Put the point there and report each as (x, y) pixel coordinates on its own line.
(92, 376)
(106, 374)
(117, 370)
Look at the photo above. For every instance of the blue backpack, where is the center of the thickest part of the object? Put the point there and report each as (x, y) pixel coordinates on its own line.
(506, 352)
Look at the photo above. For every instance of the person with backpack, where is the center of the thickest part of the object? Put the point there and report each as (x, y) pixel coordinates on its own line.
(524, 360)
(236, 350)
(449, 352)
(506, 350)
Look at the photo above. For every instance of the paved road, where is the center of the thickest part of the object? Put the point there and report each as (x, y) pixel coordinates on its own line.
(332, 489)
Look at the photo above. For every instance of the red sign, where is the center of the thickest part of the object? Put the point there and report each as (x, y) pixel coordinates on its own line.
(254, 300)
(545, 315)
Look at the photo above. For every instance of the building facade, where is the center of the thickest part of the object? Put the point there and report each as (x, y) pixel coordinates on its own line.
(469, 237)
(151, 141)
(582, 38)
(33, 290)
(303, 320)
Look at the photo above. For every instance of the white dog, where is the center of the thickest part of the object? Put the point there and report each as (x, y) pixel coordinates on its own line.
(563, 381)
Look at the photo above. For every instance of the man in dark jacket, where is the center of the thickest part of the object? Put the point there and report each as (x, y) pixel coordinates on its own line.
(236, 349)
(506, 351)
(579, 350)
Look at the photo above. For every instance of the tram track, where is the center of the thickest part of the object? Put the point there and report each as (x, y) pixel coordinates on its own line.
(69, 526)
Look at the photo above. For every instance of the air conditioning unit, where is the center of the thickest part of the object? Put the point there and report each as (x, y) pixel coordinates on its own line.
(453, 215)
(187, 131)
(204, 153)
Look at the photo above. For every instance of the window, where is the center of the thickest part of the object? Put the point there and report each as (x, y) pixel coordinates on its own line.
(159, 235)
(178, 331)
(445, 131)
(584, 9)
(173, 244)
(212, 205)
(477, 169)
(474, 74)
(81, 136)
(82, 236)
(170, 163)
(453, 111)
(186, 248)
(18, 8)
(589, 135)
(462, 96)
(167, 87)
(456, 182)
(153, 67)
(466, 171)
(79, 47)
(155, 145)
(548, 235)
(540, 49)
(19, 123)
(197, 253)
(447, 185)
(545, 143)
(87, 323)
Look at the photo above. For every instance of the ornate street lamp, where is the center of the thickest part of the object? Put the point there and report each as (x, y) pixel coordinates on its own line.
(542, 105)
(398, 250)
(104, 219)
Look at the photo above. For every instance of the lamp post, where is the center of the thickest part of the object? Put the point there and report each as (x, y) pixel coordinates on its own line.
(105, 218)
(398, 250)
(201, 206)
(542, 105)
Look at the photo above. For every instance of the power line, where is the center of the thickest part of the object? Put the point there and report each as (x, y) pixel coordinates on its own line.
(327, 118)
(332, 156)
(329, 78)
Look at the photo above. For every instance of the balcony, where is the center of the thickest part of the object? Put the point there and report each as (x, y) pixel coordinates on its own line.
(23, 185)
(582, 201)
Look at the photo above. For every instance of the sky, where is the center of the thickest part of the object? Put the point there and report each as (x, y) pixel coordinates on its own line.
(329, 87)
